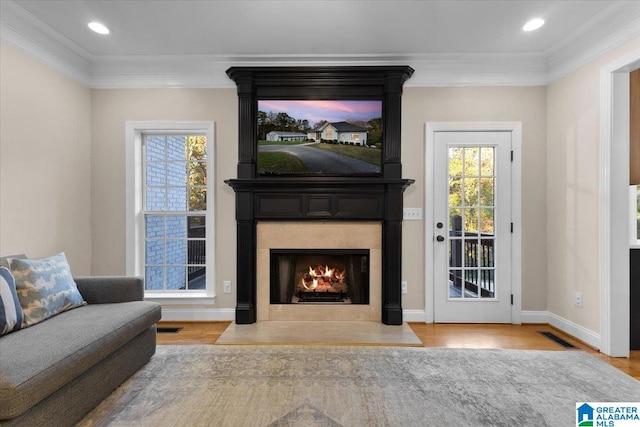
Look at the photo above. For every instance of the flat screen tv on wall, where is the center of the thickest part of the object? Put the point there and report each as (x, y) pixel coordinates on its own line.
(319, 137)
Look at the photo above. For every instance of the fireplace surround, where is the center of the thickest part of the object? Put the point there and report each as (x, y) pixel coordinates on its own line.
(310, 200)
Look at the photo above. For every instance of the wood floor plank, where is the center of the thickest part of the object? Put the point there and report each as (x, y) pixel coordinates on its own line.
(518, 337)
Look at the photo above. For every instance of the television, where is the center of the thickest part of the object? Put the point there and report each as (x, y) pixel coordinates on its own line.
(319, 137)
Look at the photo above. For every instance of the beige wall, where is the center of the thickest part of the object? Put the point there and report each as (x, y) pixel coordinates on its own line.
(520, 104)
(45, 162)
(75, 203)
(111, 109)
(573, 180)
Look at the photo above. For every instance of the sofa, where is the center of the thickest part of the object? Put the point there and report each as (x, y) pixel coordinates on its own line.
(56, 371)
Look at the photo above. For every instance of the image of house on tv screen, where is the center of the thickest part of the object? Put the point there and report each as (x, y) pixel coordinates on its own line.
(319, 137)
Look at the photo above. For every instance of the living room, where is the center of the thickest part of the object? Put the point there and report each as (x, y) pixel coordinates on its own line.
(71, 104)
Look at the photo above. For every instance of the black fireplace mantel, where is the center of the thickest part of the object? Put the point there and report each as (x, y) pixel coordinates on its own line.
(325, 198)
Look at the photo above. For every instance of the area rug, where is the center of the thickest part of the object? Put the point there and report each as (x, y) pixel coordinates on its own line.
(360, 386)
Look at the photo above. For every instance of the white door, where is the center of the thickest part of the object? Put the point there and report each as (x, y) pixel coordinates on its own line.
(472, 227)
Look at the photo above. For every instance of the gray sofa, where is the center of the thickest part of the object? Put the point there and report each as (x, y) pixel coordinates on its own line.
(55, 372)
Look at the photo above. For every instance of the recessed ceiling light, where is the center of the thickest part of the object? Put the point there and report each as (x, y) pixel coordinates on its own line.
(533, 24)
(98, 28)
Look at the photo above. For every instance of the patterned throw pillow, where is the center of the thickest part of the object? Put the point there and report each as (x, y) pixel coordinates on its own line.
(10, 310)
(45, 287)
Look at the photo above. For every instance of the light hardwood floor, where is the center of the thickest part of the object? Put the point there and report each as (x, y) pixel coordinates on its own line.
(523, 337)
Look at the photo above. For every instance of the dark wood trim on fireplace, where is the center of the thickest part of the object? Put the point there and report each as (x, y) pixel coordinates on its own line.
(325, 198)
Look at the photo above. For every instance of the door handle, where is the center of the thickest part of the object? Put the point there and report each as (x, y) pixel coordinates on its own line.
(440, 238)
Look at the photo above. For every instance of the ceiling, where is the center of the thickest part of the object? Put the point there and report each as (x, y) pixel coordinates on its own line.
(479, 36)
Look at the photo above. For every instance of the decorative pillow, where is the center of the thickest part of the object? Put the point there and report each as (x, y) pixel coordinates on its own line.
(4, 260)
(45, 287)
(10, 310)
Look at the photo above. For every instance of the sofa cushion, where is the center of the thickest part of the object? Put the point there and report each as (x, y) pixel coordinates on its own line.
(45, 287)
(37, 361)
(10, 310)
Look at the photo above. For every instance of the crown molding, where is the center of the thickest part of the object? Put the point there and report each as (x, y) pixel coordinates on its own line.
(616, 24)
(23, 31)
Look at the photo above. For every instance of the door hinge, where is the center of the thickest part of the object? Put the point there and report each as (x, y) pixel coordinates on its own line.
(511, 299)
(512, 155)
(512, 227)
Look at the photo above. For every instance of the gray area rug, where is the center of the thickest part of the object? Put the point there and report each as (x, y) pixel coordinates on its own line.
(360, 386)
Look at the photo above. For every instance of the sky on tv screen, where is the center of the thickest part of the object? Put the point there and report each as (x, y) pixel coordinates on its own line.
(331, 111)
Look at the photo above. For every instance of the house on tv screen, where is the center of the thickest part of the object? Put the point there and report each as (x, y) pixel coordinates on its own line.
(341, 132)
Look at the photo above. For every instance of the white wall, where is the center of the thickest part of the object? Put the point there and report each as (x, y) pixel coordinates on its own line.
(45, 162)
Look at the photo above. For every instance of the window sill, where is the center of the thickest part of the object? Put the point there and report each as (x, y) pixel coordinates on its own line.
(180, 298)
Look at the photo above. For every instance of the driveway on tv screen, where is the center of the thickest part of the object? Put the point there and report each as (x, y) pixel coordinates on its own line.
(318, 160)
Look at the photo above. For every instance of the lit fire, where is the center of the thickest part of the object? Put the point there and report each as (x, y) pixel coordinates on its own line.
(323, 279)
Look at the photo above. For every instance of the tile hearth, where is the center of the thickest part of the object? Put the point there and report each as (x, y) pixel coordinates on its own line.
(319, 332)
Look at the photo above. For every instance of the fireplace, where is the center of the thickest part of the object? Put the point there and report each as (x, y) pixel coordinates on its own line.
(309, 203)
(321, 276)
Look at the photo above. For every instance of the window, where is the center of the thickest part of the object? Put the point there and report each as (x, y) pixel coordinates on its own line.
(634, 203)
(169, 206)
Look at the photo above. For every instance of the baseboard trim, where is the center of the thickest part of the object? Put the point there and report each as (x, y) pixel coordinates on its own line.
(583, 334)
(567, 326)
(176, 314)
(414, 316)
(189, 314)
(535, 316)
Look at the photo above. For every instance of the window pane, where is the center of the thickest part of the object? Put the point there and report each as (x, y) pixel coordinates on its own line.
(176, 148)
(177, 199)
(455, 162)
(638, 214)
(176, 278)
(471, 192)
(471, 161)
(486, 192)
(156, 199)
(486, 221)
(155, 147)
(197, 278)
(154, 227)
(486, 161)
(197, 173)
(197, 227)
(156, 174)
(176, 226)
(197, 199)
(197, 253)
(455, 192)
(154, 252)
(197, 147)
(154, 278)
(176, 252)
(176, 173)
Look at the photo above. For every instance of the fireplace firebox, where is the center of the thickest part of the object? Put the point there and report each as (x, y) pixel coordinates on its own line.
(338, 276)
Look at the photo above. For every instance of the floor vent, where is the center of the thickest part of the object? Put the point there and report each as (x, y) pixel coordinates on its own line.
(555, 338)
(168, 330)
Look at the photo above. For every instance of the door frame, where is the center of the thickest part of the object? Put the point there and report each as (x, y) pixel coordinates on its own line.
(614, 185)
(516, 202)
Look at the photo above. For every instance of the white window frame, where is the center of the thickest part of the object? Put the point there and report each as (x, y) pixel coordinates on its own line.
(634, 238)
(134, 207)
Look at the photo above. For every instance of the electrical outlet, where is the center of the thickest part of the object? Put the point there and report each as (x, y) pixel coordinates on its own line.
(412, 214)
(403, 287)
(227, 286)
(578, 299)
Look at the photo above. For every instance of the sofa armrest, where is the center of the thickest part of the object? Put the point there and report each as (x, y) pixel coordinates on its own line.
(110, 289)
